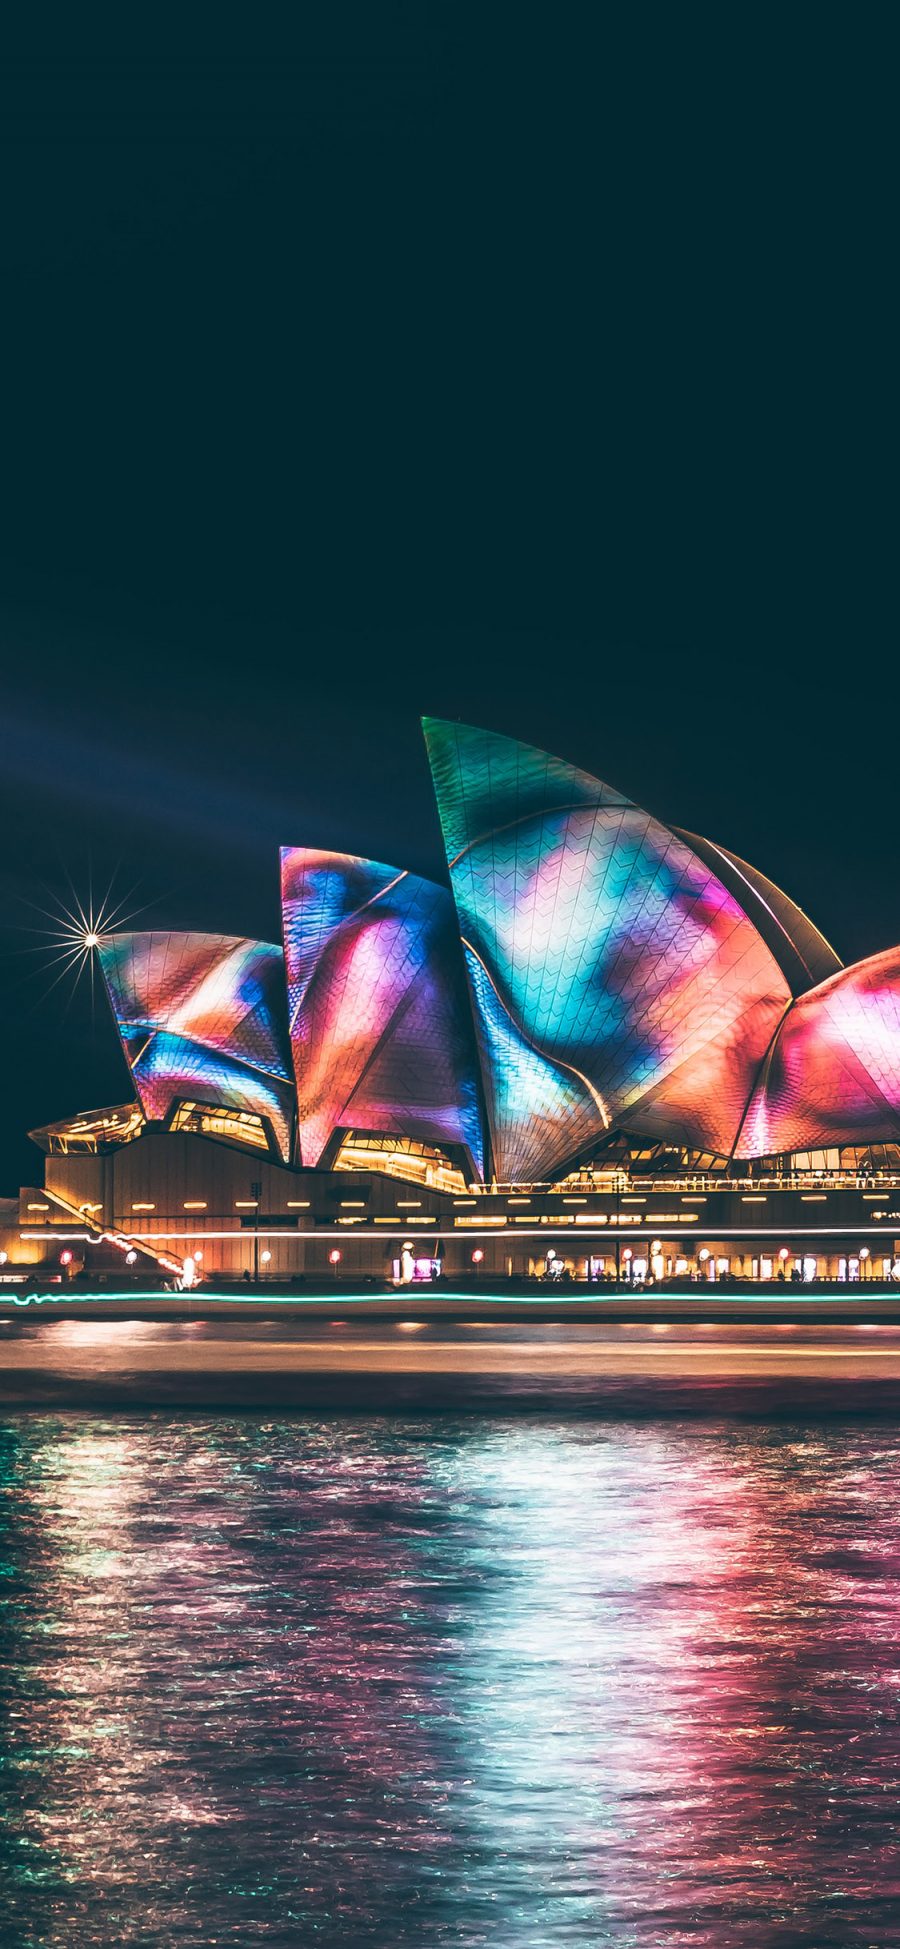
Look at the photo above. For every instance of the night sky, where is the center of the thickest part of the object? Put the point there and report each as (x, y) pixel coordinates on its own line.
(479, 362)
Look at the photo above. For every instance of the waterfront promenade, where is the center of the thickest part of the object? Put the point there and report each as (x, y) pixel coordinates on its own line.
(484, 1299)
(353, 1362)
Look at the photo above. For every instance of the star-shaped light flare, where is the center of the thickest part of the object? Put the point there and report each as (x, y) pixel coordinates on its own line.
(75, 932)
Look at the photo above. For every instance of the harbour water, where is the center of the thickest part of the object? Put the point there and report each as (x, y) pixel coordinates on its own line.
(612, 1669)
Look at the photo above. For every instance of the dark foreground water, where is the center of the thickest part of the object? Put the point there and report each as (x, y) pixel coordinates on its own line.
(450, 1680)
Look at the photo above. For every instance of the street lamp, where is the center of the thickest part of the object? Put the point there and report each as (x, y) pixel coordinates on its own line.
(265, 1259)
(863, 1255)
(334, 1259)
(256, 1194)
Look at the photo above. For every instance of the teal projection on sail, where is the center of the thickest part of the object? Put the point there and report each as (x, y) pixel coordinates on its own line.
(616, 981)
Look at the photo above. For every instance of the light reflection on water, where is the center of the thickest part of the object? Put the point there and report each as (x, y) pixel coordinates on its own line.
(450, 1681)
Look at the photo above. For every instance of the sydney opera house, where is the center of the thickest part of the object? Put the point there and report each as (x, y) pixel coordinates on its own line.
(606, 1047)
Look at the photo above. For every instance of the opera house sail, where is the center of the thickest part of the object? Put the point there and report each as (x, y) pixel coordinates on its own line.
(591, 978)
(616, 981)
(202, 1018)
(832, 1076)
(379, 1022)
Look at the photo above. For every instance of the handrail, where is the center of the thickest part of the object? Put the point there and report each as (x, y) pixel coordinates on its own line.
(622, 1183)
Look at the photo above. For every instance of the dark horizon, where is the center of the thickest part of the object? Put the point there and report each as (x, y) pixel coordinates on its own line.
(428, 368)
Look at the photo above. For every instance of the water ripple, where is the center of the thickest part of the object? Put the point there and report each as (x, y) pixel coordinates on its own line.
(470, 1681)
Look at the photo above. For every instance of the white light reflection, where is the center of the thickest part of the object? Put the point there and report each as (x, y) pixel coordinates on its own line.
(608, 1565)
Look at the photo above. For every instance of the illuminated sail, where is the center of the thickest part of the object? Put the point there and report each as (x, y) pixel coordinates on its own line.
(616, 981)
(202, 1016)
(379, 1020)
(832, 1076)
